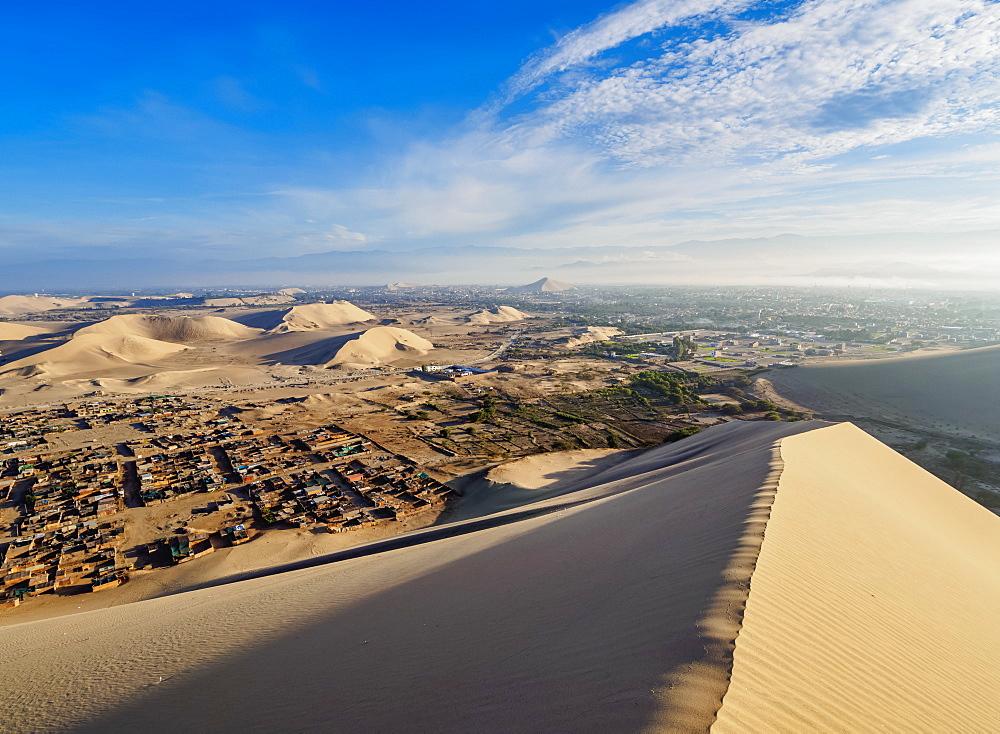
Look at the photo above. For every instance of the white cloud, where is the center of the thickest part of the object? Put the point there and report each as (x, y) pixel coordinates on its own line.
(609, 31)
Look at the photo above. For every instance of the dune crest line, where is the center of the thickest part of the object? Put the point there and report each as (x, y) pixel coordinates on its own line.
(695, 693)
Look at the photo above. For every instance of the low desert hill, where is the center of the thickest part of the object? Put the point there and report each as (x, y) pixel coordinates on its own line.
(308, 317)
(17, 305)
(780, 577)
(591, 334)
(93, 353)
(380, 345)
(266, 299)
(952, 392)
(495, 315)
(544, 285)
(180, 329)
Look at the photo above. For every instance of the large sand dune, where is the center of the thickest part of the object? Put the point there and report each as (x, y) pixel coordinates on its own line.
(870, 605)
(181, 329)
(379, 345)
(954, 392)
(91, 353)
(308, 317)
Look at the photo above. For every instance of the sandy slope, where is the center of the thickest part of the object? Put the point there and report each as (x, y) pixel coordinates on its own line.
(875, 602)
(307, 317)
(955, 392)
(530, 479)
(611, 607)
(182, 329)
(545, 285)
(541, 470)
(183, 379)
(591, 334)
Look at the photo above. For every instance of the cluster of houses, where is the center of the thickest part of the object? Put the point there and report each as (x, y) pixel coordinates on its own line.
(68, 534)
(255, 456)
(162, 476)
(350, 494)
(73, 557)
(61, 489)
(25, 430)
(154, 412)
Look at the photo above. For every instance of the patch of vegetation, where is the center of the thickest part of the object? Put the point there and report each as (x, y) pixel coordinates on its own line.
(677, 388)
(682, 433)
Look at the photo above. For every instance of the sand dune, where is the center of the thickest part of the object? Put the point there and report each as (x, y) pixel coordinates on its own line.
(870, 604)
(92, 353)
(590, 335)
(495, 315)
(545, 285)
(308, 317)
(379, 345)
(954, 392)
(181, 329)
(14, 305)
(432, 321)
(875, 600)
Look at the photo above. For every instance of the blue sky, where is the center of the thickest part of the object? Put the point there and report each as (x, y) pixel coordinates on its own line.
(241, 130)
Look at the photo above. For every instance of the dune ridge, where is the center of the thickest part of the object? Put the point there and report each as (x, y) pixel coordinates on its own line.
(952, 392)
(868, 611)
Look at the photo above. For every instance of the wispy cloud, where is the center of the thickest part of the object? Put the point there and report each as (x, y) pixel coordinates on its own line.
(610, 31)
